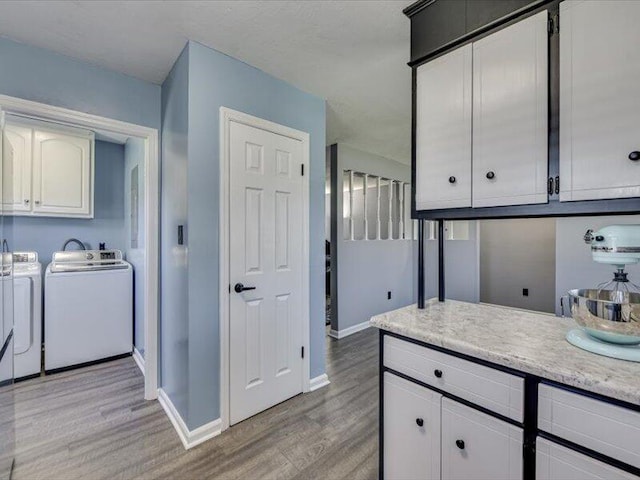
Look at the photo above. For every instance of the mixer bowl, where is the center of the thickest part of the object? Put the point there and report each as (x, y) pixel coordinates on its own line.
(608, 315)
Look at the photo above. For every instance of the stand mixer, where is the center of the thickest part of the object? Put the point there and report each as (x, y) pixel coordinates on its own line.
(609, 315)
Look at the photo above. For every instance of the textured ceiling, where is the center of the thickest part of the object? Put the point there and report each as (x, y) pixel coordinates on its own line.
(353, 53)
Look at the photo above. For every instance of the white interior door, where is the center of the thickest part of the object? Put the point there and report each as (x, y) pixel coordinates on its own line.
(266, 254)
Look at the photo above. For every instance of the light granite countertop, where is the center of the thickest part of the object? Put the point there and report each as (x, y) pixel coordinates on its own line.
(525, 341)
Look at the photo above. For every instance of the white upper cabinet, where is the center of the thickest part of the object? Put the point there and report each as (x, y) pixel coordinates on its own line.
(443, 131)
(510, 132)
(62, 174)
(52, 171)
(599, 99)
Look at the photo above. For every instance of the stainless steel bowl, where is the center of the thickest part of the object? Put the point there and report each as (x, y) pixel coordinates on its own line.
(608, 315)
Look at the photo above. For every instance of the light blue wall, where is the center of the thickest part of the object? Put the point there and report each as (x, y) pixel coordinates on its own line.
(134, 156)
(46, 235)
(216, 80)
(174, 320)
(43, 76)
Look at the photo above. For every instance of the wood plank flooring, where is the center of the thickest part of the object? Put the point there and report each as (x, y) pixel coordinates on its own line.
(94, 424)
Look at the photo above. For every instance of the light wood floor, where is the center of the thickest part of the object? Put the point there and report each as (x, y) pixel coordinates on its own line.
(94, 424)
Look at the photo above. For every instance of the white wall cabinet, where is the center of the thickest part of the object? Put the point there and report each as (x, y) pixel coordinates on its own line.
(496, 88)
(510, 85)
(599, 99)
(53, 172)
(443, 131)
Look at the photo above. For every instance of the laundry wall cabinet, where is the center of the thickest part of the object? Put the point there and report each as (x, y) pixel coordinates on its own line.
(481, 121)
(52, 173)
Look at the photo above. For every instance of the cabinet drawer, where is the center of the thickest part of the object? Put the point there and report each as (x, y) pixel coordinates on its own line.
(478, 446)
(555, 462)
(609, 429)
(411, 430)
(495, 390)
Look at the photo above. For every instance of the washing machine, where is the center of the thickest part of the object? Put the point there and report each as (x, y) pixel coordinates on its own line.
(27, 314)
(88, 308)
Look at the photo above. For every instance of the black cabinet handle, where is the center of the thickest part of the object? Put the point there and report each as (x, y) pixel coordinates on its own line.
(491, 175)
(452, 179)
(239, 288)
(460, 444)
(634, 156)
(419, 422)
(438, 373)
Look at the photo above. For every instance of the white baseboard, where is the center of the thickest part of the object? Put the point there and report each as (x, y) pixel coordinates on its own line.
(345, 332)
(139, 359)
(189, 438)
(318, 382)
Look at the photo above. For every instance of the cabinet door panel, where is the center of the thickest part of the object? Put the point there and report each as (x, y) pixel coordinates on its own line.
(510, 90)
(17, 193)
(477, 446)
(554, 462)
(411, 451)
(599, 99)
(62, 174)
(443, 132)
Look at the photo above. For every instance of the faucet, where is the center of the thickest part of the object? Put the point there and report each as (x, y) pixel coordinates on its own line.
(76, 241)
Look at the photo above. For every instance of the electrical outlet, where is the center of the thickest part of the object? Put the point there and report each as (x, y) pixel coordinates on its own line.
(389, 295)
(525, 292)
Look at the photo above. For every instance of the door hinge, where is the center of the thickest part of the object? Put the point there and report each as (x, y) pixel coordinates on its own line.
(550, 186)
(553, 25)
(302, 352)
(557, 185)
(302, 169)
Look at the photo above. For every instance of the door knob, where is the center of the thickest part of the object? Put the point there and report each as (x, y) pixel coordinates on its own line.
(239, 288)
(491, 175)
(460, 444)
(419, 422)
(634, 156)
(452, 179)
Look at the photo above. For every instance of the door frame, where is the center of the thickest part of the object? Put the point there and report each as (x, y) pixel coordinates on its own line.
(151, 203)
(227, 116)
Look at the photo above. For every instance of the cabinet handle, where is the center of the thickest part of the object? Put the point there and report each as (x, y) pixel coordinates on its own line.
(460, 444)
(491, 175)
(419, 422)
(438, 373)
(26, 201)
(634, 156)
(37, 202)
(452, 179)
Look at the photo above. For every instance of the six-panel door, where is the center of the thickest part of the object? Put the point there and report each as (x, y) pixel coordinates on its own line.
(265, 267)
(411, 430)
(443, 132)
(599, 99)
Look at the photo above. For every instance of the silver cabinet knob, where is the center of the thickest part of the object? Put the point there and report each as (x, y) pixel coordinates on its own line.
(37, 202)
(26, 201)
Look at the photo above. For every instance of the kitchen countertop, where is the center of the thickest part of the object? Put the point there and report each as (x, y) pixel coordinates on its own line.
(525, 341)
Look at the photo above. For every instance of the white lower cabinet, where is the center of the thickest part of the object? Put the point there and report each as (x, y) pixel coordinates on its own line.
(411, 430)
(478, 446)
(555, 462)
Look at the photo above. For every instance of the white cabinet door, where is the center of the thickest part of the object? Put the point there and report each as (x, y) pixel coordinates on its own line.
(510, 84)
(478, 446)
(443, 131)
(62, 176)
(17, 174)
(411, 430)
(554, 462)
(599, 99)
